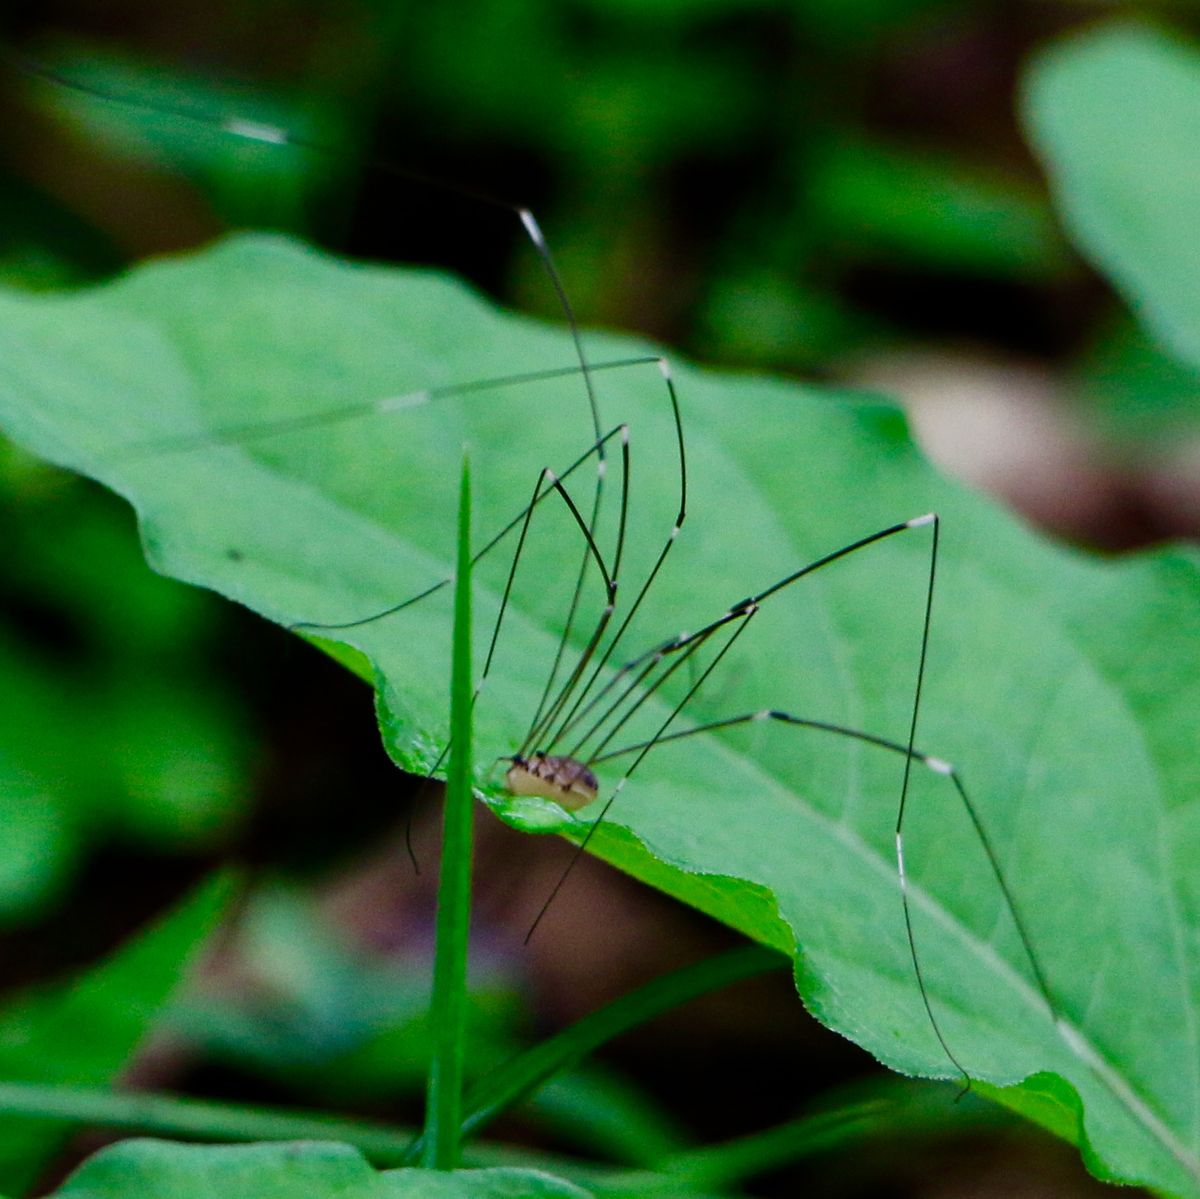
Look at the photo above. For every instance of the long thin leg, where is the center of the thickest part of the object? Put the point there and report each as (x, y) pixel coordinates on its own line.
(238, 434)
(939, 767)
(284, 138)
(491, 544)
(634, 684)
(605, 615)
(742, 611)
(540, 490)
(547, 476)
(686, 641)
(556, 712)
(746, 607)
(684, 649)
(547, 712)
(608, 803)
(279, 136)
(243, 434)
(902, 808)
(746, 610)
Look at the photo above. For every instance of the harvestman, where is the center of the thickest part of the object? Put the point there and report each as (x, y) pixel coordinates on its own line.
(577, 721)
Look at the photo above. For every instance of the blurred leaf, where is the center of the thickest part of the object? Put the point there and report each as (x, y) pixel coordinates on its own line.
(893, 202)
(836, 21)
(766, 318)
(134, 755)
(1066, 689)
(846, 22)
(173, 121)
(343, 1028)
(303, 1170)
(497, 1183)
(328, 1020)
(528, 1072)
(1113, 113)
(594, 1110)
(134, 759)
(879, 1111)
(86, 1031)
(44, 245)
(599, 106)
(1136, 389)
(665, 14)
(41, 835)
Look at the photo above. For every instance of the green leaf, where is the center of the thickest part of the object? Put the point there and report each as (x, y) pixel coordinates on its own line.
(497, 1183)
(1064, 688)
(1134, 390)
(891, 201)
(1113, 113)
(166, 1170)
(172, 120)
(301, 1170)
(85, 1032)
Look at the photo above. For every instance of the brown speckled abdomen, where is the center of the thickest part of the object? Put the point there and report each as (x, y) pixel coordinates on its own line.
(563, 780)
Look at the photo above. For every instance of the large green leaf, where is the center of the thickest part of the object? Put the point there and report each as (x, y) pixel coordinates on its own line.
(303, 1170)
(1064, 688)
(1113, 114)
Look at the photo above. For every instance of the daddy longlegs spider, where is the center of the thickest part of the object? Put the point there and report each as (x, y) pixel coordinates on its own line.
(582, 716)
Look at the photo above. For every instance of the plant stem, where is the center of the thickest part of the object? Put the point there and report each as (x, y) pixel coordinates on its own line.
(892, 1109)
(206, 1120)
(520, 1077)
(176, 1116)
(443, 1113)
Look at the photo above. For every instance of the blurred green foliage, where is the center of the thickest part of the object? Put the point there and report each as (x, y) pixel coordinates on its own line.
(337, 1027)
(772, 182)
(101, 741)
(1114, 115)
(85, 1031)
(769, 182)
(701, 168)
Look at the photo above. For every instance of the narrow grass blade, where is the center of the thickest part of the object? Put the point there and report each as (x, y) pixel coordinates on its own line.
(178, 1116)
(443, 1119)
(522, 1076)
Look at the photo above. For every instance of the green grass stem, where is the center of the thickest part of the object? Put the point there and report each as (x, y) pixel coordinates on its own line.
(178, 1116)
(521, 1076)
(448, 1005)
